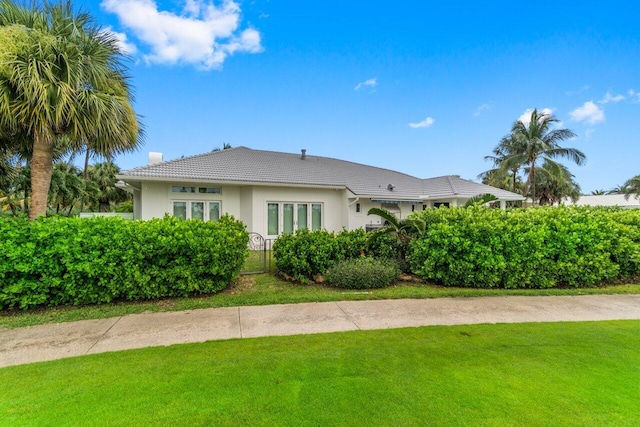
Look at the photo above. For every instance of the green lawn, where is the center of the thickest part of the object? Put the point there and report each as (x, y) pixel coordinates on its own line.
(262, 289)
(540, 374)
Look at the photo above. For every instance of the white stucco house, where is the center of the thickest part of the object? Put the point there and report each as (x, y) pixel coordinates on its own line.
(620, 200)
(275, 193)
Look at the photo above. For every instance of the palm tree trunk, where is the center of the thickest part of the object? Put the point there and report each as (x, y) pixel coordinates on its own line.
(533, 184)
(86, 163)
(41, 169)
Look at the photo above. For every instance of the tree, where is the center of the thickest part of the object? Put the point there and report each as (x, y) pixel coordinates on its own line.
(480, 200)
(400, 229)
(535, 141)
(61, 75)
(631, 187)
(67, 187)
(104, 176)
(555, 183)
(599, 192)
(505, 178)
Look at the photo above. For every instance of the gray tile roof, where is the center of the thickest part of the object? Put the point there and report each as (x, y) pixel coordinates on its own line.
(243, 164)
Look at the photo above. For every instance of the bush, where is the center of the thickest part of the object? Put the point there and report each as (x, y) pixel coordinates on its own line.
(307, 253)
(363, 273)
(532, 248)
(53, 261)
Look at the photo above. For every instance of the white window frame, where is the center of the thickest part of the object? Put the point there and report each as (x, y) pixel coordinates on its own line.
(295, 215)
(206, 209)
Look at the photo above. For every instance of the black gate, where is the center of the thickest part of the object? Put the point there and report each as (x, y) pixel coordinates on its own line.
(259, 259)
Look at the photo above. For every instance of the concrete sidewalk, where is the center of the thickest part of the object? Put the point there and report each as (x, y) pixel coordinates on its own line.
(56, 341)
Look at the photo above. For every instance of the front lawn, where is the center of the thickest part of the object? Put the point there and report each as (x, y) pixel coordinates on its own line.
(509, 374)
(263, 289)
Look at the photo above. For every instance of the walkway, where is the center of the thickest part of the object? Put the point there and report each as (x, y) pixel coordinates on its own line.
(56, 341)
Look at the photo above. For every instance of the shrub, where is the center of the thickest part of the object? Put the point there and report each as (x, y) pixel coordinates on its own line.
(532, 248)
(53, 261)
(307, 253)
(363, 273)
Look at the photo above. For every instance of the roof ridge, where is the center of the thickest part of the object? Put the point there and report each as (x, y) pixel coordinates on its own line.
(451, 184)
(208, 153)
(338, 160)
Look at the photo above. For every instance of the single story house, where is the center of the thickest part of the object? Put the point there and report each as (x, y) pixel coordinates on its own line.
(275, 193)
(620, 200)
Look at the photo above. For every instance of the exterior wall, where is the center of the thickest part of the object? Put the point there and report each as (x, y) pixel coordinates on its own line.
(332, 201)
(247, 213)
(137, 204)
(157, 199)
(361, 219)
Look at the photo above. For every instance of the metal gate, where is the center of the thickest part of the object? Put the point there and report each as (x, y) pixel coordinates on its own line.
(259, 259)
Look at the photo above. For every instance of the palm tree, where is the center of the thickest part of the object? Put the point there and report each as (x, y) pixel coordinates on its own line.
(620, 189)
(555, 183)
(67, 187)
(599, 192)
(400, 229)
(104, 176)
(529, 143)
(631, 187)
(499, 175)
(62, 75)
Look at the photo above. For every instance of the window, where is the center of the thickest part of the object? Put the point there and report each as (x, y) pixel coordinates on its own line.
(287, 214)
(178, 189)
(201, 190)
(443, 204)
(214, 211)
(303, 215)
(357, 207)
(196, 210)
(209, 190)
(316, 217)
(180, 210)
(289, 217)
(273, 219)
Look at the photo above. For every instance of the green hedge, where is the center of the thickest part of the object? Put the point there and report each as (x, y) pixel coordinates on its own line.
(363, 273)
(531, 248)
(53, 261)
(307, 253)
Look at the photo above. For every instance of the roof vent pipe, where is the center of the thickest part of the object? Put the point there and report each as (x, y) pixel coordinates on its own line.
(154, 158)
(304, 154)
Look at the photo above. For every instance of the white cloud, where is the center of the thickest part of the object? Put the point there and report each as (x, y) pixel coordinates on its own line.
(574, 92)
(634, 96)
(611, 98)
(589, 112)
(481, 109)
(203, 34)
(525, 118)
(123, 43)
(370, 83)
(423, 124)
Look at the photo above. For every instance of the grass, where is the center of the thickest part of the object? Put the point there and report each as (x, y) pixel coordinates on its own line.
(263, 289)
(551, 374)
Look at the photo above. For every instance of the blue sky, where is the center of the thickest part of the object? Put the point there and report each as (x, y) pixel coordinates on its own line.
(423, 87)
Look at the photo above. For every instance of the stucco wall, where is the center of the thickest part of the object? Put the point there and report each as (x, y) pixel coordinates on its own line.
(332, 201)
(157, 199)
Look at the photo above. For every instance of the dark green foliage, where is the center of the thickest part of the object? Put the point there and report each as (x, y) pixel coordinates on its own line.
(307, 253)
(363, 273)
(55, 261)
(532, 248)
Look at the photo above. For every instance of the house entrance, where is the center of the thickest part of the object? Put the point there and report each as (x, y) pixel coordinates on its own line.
(259, 259)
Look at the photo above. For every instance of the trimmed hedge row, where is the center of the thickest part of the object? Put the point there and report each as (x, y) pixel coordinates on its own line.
(530, 248)
(306, 253)
(54, 261)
